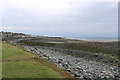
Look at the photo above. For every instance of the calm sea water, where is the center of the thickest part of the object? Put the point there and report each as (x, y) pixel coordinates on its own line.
(97, 38)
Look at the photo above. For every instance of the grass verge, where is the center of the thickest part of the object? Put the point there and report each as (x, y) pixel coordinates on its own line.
(18, 63)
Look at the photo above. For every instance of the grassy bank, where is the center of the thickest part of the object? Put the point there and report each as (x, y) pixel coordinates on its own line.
(18, 63)
(0, 59)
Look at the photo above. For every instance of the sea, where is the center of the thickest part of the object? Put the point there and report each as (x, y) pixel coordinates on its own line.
(97, 38)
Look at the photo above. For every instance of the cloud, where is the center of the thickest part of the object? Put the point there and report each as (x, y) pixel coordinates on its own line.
(0, 15)
(61, 17)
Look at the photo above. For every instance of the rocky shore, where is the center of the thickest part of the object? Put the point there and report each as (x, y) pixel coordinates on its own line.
(79, 67)
(81, 64)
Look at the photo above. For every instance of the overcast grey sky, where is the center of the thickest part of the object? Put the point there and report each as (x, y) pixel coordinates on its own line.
(66, 18)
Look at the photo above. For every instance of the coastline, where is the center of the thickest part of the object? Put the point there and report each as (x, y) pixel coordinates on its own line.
(82, 59)
(93, 40)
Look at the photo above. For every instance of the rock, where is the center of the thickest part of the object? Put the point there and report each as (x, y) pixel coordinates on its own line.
(87, 75)
(65, 66)
(76, 74)
(106, 74)
(35, 48)
(60, 60)
(68, 70)
(59, 65)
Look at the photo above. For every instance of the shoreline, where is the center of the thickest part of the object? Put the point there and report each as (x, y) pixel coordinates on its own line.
(85, 64)
(82, 59)
(91, 40)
